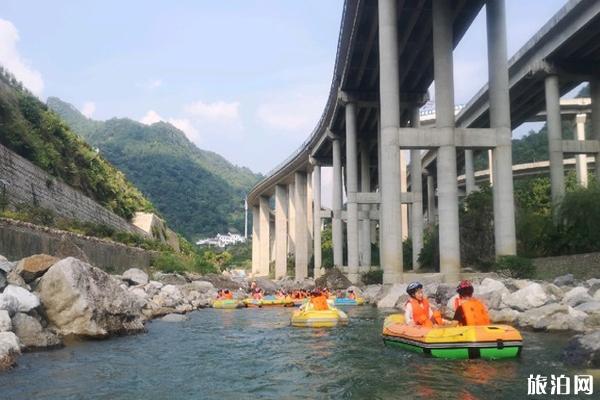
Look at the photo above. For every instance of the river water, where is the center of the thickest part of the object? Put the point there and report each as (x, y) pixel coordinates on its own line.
(256, 354)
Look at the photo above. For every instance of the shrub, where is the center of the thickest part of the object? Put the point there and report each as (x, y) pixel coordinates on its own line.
(516, 267)
(476, 227)
(407, 254)
(579, 217)
(429, 257)
(170, 262)
(374, 276)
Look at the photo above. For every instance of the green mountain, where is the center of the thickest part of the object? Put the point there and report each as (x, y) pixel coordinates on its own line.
(35, 132)
(199, 192)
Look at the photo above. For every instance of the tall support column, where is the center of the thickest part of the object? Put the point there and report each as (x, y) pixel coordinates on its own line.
(316, 175)
(446, 161)
(255, 239)
(352, 188)
(469, 172)
(416, 184)
(365, 222)
(281, 234)
(265, 237)
(581, 159)
(491, 166)
(336, 205)
(404, 189)
(430, 200)
(554, 123)
(595, 95)
(301, 254)
(390, 221)
(504, 204)
(309, 212)
(291, 218)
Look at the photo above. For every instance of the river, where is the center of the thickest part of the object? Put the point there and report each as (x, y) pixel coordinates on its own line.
(256, 354)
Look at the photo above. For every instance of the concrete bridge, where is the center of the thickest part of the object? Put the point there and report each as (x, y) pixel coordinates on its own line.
(389, 53)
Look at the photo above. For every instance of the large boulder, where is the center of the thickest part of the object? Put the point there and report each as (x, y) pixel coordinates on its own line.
(9, 303)
(553, 317)
(170, 279)
(135, 276)
(391, 295)
(153, 288)
(9, 350)
(506, 315)
(80, 299)
(223, 282)
(201, 286)
(556, 294)
(13, 278)
(565, 280)
(170, 296)
(3, 281)
(371, 292)
(5, 322)
(583, 351)
(33, 267)
(31, 333)
(444, 293)
(26, 300)
(333, 279)
(174, 318)
(6, 266)
(266, 284)
(591, 307)
(576, 296)
(531, 296)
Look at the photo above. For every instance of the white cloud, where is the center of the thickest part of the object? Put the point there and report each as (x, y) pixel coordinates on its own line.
(13, 61)
(153, 84)
(151, 117)
(219, 110)
(88, 109)
(187, 127)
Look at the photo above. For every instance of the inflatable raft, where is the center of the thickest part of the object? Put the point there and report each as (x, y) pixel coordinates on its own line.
(306, 317)
(227, 304)
(460, 342)
(345, 301)
(269, 301)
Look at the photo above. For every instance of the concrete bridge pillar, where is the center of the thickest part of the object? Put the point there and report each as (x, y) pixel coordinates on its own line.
(416, 176)
(446, 161)
(309, 212)
(404, 189)
(431, 213)
(291, 218)
(554, 126)
(504, 206)
(336, 204)
(469, 172)
(301, 254)
(352, 189)
(281, 234)
(265, 236)
(595, 96)
(255, 239)
(317, 251)
(581, 159)
(390, 222)
(365, 223)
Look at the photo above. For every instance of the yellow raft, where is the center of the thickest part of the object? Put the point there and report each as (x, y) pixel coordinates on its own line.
(459, 342)
(227, 304)
(269, 302)
(306, 317)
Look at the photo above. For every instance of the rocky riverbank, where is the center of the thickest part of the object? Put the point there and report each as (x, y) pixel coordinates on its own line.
(44, 300)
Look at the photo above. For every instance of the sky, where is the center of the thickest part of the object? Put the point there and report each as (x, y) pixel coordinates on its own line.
(247, 79)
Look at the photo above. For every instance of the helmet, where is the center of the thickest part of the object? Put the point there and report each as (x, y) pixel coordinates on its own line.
(465, 288)
(413, 287)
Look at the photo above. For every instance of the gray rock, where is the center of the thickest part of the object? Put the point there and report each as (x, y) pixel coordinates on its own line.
(565, 280)
(169, 296)
(333, 279)
(556, 294)
(531, 296)
(591, 307)
(174, 318)
(5, 322)
(266, 284)
(136, 276)
(7, 266)
(371, 292)
(222, 282)
(31, 333)
(153, 288)
(444, 292)
(553, 317)
(9, 303)
(13, 278)
(583, 351)
(307, 284)
(576, 296)
(506, 315)
(26, 300)
(3, 281)
(596, 295)
(32, 267)
(9, 350)
(170, 279)
(391, 295)
(201, 286)
(80, 299)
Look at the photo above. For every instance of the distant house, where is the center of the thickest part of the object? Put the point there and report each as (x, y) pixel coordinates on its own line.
(222, 240)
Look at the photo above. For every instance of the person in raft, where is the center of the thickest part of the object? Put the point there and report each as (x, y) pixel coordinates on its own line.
(351, 295)
(257, 293)
(318, 300)
(467, 309)
(227, 295)
(417, 310)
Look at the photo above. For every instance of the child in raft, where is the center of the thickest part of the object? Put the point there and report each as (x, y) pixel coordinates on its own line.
(417, 310)
(257, 294)
(318, 300)
(467, 309)
(351, 295)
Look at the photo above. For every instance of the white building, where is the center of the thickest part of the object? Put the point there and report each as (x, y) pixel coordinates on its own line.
(222, 240)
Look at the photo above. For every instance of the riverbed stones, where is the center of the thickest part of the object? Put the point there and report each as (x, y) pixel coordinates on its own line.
(33, 267)
(26, 301)
(202, 286)
(9, 350)
(3, 281)
(223, 282)
(444, 292)
(7, 266)
(391, 295)
(583, 351)
(170, 279)
(530, 296)
(505, 315)
(31, 333)
(553, 317)
(135, 276)
(266, 284)
(333, 279)
(9, 303)
(371, 292)
(5, 322)
(80, 299)
(576, 296)
(590, 307)
(174, 318)
(13, 278)
(565, 280)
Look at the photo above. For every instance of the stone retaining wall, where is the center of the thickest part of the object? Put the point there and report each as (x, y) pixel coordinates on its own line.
(582, 266)
(21, 239)
(23, 182)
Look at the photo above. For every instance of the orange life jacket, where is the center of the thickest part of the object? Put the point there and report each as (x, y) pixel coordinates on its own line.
(473, 312)
(352, 296)
(420, 310)
(228, 296)
(320, 303)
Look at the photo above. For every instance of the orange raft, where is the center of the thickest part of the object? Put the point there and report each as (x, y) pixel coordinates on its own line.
(460, 342)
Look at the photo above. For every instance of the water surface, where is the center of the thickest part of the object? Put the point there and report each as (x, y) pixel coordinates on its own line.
(256, 354)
